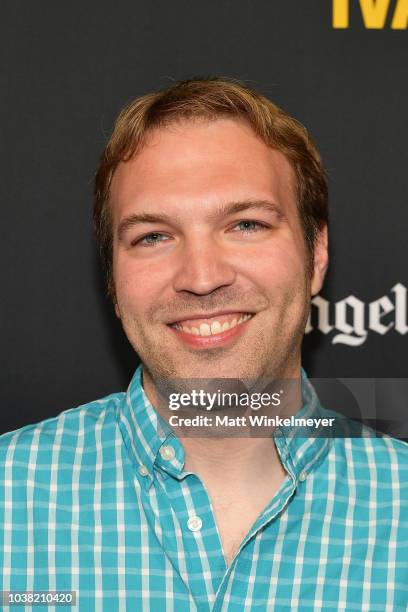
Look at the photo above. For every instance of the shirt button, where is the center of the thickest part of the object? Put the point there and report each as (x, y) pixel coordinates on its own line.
(194, 523)
(143, 470)
(167, 452)
(302, 476)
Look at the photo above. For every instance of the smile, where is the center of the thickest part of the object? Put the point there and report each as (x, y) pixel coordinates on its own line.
(211, 331)
(213, 326)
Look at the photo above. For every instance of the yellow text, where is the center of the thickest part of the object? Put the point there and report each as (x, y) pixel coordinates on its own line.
(373, 12)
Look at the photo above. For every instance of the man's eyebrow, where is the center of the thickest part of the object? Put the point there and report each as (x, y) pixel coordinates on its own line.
(242, 206)
(135, 219)
(222, 210)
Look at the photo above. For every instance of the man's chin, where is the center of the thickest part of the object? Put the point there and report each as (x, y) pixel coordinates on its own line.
(215, 365)
(246, 356)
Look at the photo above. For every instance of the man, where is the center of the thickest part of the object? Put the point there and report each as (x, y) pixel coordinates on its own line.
(211, 213)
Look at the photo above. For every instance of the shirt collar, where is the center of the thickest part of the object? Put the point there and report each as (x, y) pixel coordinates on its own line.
(147, 435)
(151, 442)
(302, 449)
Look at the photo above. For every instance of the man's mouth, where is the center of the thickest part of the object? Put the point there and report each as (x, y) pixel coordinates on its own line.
(213, 325)
(210, 331)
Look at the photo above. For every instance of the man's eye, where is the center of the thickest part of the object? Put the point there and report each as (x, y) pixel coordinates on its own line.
(150, 239)
(249, 226)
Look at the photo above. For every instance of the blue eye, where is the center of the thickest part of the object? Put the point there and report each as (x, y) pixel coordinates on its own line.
(250, 226)
(151, 239)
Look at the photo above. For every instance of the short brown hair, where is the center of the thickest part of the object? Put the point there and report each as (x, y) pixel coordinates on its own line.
(211, 98)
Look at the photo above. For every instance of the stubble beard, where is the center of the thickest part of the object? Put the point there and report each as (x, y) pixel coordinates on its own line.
(269, 355)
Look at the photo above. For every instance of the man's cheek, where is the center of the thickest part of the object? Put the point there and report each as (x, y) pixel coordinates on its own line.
(280, 257)
(274, 274)
(140, 283)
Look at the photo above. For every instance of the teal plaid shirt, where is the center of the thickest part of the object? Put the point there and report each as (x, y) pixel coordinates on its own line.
(96, 501)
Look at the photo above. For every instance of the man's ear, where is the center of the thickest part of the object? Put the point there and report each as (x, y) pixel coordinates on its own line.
(117, 311)
(321, 260)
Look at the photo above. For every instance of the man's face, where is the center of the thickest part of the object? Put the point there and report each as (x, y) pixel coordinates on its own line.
(209, 258)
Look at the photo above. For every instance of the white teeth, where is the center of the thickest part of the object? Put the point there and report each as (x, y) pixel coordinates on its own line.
(216, 327)
(205, 329)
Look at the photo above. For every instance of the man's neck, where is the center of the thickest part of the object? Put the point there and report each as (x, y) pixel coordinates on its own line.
(232, 465)
(241, 460)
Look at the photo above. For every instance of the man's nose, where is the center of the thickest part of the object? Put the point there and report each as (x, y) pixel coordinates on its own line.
(203, 267)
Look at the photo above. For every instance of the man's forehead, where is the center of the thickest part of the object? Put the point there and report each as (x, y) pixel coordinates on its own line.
(197, 158)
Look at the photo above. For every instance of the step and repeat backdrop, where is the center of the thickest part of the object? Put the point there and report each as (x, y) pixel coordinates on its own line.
(338, 66)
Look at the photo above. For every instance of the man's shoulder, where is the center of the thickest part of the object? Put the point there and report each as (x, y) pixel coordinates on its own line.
(385, 449)
(356, 439)
(367, 441)
(63, 428)
(377, 457)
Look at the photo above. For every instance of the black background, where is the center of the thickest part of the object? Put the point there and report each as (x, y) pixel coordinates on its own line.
(68, 68)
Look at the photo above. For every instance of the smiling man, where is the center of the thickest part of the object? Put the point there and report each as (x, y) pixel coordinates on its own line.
(209, 258)
(211, 214)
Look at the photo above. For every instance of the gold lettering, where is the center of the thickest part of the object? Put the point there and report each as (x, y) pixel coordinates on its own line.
(374, 13)
(340, 14)
(400, 19)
